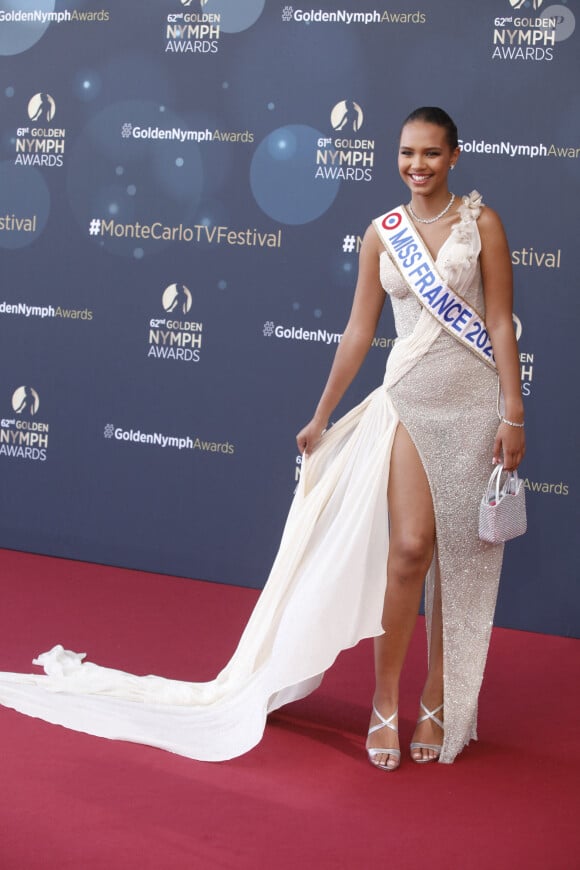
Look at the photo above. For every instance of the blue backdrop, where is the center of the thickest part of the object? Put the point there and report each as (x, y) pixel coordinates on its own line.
(183, 189)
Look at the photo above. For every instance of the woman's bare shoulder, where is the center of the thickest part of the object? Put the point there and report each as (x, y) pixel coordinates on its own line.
(489, 221)
(371, 242)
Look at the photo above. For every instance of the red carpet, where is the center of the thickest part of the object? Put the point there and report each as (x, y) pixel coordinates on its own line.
(306, 797)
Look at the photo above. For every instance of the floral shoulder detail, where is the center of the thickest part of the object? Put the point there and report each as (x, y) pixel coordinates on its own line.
(471, 205)
(469, 211)
(463, 246)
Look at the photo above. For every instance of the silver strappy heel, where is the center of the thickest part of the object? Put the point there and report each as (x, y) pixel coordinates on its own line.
(429, 714)
(372, 753)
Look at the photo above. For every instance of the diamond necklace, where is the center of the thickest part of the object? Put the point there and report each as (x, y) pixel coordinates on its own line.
(436, 218)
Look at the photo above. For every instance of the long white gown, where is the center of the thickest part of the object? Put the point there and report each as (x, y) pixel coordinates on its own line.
(327, 585)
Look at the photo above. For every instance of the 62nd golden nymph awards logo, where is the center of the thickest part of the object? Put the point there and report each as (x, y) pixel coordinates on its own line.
(41, 143)
(531, 30)
(193, 31)
(23, 435)
(175, 336)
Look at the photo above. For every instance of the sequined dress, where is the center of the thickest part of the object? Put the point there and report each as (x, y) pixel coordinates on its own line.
(326, 588)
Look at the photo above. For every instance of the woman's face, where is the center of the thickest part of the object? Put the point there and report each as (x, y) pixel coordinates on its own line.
(425, 157)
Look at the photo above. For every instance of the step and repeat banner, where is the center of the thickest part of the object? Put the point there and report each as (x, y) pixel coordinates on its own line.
(184, 185)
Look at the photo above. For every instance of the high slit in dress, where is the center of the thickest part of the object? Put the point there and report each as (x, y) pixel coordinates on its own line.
(327, 585)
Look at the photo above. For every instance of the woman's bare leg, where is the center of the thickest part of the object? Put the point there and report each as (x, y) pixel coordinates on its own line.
(411, 546)
(430, 732)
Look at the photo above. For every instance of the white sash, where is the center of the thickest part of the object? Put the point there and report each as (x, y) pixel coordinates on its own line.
(409, 254)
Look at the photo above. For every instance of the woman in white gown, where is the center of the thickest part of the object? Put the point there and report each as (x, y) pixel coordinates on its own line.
(388, 495)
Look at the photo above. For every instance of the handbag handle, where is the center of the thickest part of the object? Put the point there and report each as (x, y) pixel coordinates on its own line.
(495, 480)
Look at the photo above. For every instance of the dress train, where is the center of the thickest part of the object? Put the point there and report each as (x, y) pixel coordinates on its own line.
(325, 592)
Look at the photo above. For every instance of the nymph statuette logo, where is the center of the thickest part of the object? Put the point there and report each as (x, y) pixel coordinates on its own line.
(177, 298)
(25, 401)
(41, 108)
(348, 116)
(520, 4)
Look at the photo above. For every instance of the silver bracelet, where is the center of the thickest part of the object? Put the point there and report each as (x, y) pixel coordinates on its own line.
(511, 423)
(502, 419)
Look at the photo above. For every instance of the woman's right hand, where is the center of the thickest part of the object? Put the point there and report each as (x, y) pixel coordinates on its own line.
(308, 438)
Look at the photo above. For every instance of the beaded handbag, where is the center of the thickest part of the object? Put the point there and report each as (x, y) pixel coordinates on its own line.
(502, 511)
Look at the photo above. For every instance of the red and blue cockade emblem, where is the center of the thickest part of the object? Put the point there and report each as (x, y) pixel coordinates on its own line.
(392, 220)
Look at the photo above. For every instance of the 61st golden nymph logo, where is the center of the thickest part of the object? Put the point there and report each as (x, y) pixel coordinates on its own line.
(41, 143)
(23, 435)
(175, 336)
(345, 156)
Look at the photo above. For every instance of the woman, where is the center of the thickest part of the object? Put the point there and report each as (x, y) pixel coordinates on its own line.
(395, 484)
(442, 438)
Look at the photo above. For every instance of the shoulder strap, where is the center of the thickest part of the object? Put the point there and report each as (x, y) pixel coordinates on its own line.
(412, 259)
